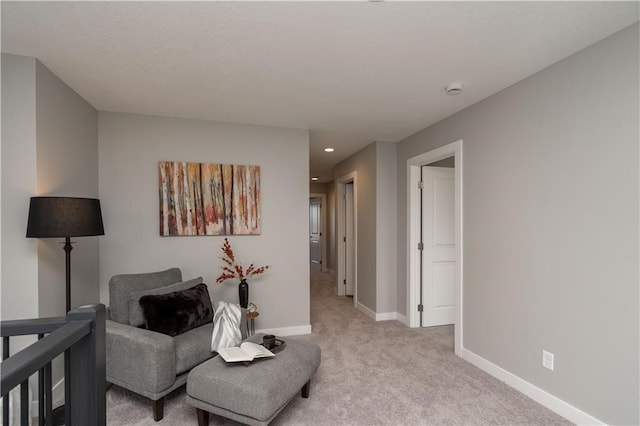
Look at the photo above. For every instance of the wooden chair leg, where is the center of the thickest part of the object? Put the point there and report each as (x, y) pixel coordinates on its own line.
(158, 409)
(203, 417)
(305, 389)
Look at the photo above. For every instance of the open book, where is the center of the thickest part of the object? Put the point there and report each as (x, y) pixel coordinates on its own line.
(246, 352)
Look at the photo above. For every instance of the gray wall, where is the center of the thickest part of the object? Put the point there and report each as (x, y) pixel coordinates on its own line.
(386, 228)
(49, 147)
(319, 188)
(130, 148)
(551, 188)
(364, 164)
(67, 161)
(19, 254)
(375, 168)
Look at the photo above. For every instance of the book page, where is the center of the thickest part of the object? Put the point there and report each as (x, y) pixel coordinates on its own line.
(246, 352)
(234, 354)
(256, 351)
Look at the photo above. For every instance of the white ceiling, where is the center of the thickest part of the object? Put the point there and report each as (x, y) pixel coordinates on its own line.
(350, 72)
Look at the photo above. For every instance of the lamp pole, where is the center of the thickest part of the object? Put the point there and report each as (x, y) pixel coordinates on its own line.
(67, 249)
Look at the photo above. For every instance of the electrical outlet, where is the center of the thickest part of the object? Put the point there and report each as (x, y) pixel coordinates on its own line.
(547, 360)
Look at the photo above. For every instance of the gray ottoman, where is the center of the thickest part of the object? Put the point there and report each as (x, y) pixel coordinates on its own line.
(252, 393)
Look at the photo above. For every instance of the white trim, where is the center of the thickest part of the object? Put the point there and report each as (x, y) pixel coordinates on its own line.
(340, 190)
(287, 331)
(365, 310)
(323, 227)
(402, 318)
(386, 316)
(413, 224)
(541, 396)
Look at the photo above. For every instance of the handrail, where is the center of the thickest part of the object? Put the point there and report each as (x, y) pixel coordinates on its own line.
(23, 327)
(81, 337)
(19, 367)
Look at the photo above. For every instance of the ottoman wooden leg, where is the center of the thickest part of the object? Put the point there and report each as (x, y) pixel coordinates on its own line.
(305, 389)
(158, 409)
(203, 417)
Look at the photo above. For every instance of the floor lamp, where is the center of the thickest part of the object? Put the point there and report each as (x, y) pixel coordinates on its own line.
(64, 217)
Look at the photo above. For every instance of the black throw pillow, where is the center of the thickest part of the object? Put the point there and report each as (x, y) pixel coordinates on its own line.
(177, 312)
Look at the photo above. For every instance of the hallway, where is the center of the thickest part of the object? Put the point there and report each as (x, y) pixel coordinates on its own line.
(372, 373)
(386, 373)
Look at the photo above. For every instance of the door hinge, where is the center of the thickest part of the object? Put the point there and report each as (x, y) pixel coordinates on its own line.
(344, 282)
(420, 185)
(420, 246)
(344, 239)
(420, 308)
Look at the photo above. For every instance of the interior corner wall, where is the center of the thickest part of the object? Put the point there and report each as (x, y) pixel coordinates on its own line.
(364, 164)
(130, 147)
(318, 188)
(19, 256)
(387, 227)
(67, 165)
(550, 218)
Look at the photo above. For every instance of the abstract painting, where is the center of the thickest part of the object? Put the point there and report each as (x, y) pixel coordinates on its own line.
(208, 199)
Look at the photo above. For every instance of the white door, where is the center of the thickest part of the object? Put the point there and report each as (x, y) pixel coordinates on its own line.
(438, 253)
(315, 232)
(349, 240)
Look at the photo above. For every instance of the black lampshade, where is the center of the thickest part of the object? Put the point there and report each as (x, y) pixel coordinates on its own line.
(54, 217)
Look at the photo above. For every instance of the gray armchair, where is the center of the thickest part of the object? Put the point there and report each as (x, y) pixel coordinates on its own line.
(144, 361)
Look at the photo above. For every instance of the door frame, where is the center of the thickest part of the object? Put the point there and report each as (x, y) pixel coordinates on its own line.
(323, 225)
(413, 229)
(340, 232)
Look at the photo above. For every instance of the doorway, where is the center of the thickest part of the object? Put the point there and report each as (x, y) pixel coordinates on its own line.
(437, 245)
(414, 254)
(349, 240)
(317, 226)
(347, 236)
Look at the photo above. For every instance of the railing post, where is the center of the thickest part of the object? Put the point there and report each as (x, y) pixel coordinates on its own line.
(88, 375)
(6, 399)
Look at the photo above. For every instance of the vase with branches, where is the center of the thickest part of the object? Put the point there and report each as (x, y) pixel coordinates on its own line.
(232, 269)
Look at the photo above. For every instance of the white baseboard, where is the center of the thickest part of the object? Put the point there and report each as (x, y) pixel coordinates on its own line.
(402, 318)
(368, 312)
(287, 331)
(542, 397)
(383, 316)
(386, 316)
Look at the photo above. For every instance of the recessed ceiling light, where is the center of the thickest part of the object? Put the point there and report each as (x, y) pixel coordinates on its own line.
(454, 89)
(315, 178)
(329, 150)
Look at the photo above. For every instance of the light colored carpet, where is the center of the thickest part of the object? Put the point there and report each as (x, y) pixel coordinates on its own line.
(372, 373)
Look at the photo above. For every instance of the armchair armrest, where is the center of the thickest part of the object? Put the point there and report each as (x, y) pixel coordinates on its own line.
(140, 360)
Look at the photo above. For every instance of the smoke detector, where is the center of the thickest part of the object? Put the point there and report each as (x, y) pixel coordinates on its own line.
(454, 89)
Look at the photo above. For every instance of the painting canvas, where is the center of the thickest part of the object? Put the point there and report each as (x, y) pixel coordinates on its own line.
(208, 199)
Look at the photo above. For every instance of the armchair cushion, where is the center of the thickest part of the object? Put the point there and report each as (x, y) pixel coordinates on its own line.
(121, 287)
(177, 312)
(136, 316)
(193, 347)
(139, 359)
